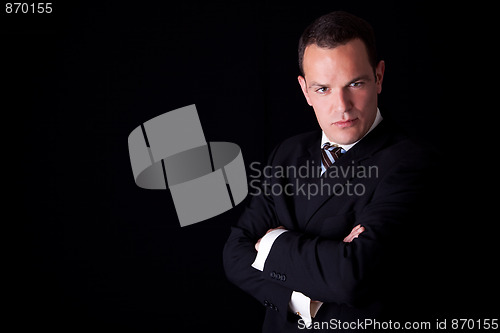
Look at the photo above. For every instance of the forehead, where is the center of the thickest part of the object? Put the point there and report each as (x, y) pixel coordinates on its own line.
(344, 61)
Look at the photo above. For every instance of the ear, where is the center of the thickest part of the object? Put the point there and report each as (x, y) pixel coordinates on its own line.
(379, 74)
(303, 86)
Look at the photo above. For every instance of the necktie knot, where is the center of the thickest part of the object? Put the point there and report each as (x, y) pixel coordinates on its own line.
(329, 155)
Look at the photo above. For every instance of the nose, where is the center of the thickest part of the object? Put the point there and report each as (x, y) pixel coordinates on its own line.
(341, 101)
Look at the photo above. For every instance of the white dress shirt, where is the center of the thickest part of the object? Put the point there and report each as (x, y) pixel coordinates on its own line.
(300, 304)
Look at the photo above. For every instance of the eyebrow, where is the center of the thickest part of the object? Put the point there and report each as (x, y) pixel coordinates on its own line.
(364, 77)
(316, 84)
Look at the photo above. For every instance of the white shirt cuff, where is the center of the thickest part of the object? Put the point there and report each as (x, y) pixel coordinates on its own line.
(265, 247)
(301, 305)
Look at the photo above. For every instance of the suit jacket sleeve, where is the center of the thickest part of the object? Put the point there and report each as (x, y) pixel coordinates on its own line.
(333, 271)
(239, 254)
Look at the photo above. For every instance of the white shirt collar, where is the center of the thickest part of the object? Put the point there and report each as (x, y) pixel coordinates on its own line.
(378, 119)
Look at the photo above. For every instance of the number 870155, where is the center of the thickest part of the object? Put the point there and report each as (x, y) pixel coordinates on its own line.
(28, 8)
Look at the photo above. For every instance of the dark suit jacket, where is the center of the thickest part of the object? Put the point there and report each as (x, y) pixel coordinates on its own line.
(354, 280)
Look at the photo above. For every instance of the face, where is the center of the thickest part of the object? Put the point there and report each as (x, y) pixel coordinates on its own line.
(341, 87)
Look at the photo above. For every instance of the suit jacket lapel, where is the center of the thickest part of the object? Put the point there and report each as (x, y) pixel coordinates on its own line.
(373, 142)
(312, 162)
(321, 189)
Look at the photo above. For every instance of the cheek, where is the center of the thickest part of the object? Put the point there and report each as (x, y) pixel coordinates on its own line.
(321, 111)
(319, 118)
(365, 98)
(321, 104)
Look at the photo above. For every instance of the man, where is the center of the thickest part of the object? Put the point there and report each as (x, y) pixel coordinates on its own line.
(321, 251)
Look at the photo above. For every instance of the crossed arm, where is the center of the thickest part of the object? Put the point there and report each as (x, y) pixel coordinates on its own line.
(355, 232)
(300, 303)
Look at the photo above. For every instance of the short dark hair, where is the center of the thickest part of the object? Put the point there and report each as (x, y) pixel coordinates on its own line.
(338, 28)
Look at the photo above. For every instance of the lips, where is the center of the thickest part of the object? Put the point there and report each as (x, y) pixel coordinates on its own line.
(346, 123)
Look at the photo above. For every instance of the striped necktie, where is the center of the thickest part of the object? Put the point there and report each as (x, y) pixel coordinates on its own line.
(329, 154)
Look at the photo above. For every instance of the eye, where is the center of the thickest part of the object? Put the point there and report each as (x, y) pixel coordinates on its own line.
(322, 90)
(356, 84)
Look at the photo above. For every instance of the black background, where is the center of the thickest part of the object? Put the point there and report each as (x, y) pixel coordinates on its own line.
(96, 251)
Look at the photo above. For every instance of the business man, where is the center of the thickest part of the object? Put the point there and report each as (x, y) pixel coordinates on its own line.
(316, 245)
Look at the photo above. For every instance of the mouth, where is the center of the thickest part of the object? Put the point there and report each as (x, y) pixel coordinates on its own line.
(346, 123)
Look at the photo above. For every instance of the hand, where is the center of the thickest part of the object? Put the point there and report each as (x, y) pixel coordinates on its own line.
(258, 242)
(355, 232)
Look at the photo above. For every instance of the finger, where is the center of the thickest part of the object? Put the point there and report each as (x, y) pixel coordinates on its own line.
(356, 227)
(356, 231)
(354, 236)
(350, 237)
(360, 228)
